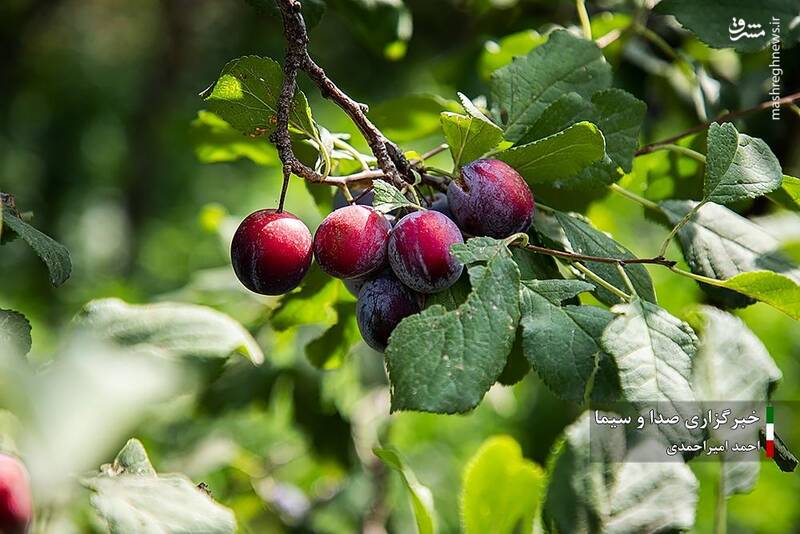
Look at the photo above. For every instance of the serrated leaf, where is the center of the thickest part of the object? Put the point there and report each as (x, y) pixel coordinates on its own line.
(421, 497)
(174, 329)
(653, 351)
(738, 166)
(562, 343)
(246, 97)
(54, 255)
(502, 490)
(469, 136)
(780, 292)
(713, 22)
(217, 141)
(131, 497)
(574, 234)
(558, 157)
(718, 243)
(593, 489)
(732, 364)
(617, 113)
(389, 198)
(788, 195)
(131, 460)
(565, 63)
(330, 349)
(445, 361)
(15, 332)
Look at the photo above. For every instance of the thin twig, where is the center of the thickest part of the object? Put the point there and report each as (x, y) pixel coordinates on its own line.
(389, 158)
(659, 260)
(583, 15)
(725, 117)
(602, 282)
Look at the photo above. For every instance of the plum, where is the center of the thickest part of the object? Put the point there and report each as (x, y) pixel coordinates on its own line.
(16, 510)
(353, 285)
(419, 251)
(491, 200)
(351, 242)
(382, 303)
(271, 252)
(440, 204)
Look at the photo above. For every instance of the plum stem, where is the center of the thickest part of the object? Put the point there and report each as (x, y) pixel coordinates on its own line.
(284, 188)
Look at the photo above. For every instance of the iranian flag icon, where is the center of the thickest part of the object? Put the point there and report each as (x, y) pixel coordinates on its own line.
(770, 432)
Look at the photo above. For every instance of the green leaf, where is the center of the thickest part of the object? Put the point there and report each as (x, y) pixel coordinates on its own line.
(565, 63)
(500, 53)
(421, 497)
(388, 197)
(216, 141)
(559, 157)
(653, 351)
(131, 460)
(562, 343)
(780, 292)
(469, 136)
(313, 304)
(502, 490)
(619, 117)
(411, 117)
(718, 243)
(732, 364)
(593, 488)
(712, 21)
(15, 332)
(246, 97)
(445, 361)
(131, 497)
(174, 329)
(574, 234)
(788, 195)
(330, 349)
(54, 255)
(617, 113)
(738, 166)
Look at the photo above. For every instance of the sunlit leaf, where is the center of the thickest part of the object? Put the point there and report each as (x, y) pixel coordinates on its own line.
(501, 490)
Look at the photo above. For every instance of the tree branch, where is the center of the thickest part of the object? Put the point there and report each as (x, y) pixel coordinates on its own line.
(725, 117)
(388, 155)
(571, 256)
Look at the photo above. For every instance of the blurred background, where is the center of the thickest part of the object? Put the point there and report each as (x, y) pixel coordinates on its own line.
(99, 138)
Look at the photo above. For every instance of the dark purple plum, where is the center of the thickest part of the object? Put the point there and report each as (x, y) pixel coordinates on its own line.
(16, 510)
(441, 205)
(351, 242)
(382, 303)
(353, 285)
(271, 252)
(419, 251)
(493, 199)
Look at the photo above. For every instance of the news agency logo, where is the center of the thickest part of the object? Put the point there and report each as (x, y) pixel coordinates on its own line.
(740, 29)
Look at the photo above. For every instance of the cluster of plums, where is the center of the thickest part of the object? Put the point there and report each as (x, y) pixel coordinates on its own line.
(16, 507)
(389, 267)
